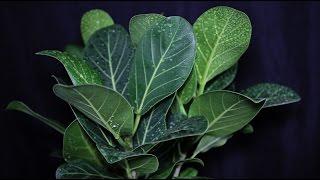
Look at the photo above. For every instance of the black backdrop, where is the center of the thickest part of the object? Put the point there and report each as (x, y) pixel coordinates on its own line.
(284, 49)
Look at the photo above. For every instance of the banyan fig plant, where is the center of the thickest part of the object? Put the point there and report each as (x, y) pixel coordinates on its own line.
(148, 102)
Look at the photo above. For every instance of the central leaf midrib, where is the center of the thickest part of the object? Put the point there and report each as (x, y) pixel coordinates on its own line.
(155, 72)
(110, 64)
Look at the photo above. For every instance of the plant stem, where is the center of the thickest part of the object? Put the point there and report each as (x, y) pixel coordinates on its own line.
(178, 168)
(136, 123)
(129, 175)
(201, 88)
(181, 107)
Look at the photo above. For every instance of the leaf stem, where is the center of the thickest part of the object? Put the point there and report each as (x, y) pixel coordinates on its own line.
(178, 168)
(181, 107)
(201, 88)
(129, 175)
(136, 123)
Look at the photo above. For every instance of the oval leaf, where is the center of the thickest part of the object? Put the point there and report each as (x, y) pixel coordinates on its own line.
(92, 21)
(141, 23)
(144, 164)
(105, 106)
(223, 35)
(274, 94)
(162, 62)
(223, 80)
(226, 111)
(110, 52)
(188, 90)
(20, 106)
(79, 169)
(77, 145)
(79, 71)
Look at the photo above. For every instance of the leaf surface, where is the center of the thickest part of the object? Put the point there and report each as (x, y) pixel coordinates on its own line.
(223, 80)
(209, 141)
(163, 61)
(109, 51)
(20, 106)
(92, 21)
(274, 94)
(226, 111)
(144, 164)
(104, 106)
(188, 90)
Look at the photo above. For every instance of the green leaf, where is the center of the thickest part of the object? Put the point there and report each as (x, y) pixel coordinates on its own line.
(141, 23)
(20, 106)
(166, 171)
(226, 111)
(223, 35)
(74, 50)
(104, 106)
(163, 61)
(155, 127)
(209, 141)
(188, 173)
(109, 51)
(188, 90)
(94, 131)
(79, 169)
(79, 71)
(274, 94)
(144, 164)
(77, 145)
(92, 21)
(223, 80)
(248, 129)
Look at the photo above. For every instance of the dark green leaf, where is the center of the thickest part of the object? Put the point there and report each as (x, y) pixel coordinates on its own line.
(223, 80)
(188, 90)
(223, 35)
(274, 94)
(144, 164)
(79, 71)
(248, 129)
(110, 52)
(188, 173)
(105, 106)
(162, 62)
(79, 169)
(20, 106)
(92, 21)
(209, 141)
(226, 111)
(141, 23)
(77, 145)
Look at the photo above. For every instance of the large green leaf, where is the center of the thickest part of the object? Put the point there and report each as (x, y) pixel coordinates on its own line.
(20, 106)
(105, 106)
(155, 127)
(226, 111)
(274, 94)
(209, 141)
(79, 169)
(163, 61)
(144, 164)
(223, 35)
(79, 71)
(110, 52)
(223, 80)
(188, 90)
(92, 21)
(141, 23)
(77, 145)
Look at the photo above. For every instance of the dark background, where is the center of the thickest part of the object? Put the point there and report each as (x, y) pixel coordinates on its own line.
(284, 49)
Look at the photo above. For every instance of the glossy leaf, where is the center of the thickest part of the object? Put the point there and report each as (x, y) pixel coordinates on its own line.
(209, 141)
(144, 164)
(92, 21)
(248, 129)
(188, 173)
(274, 94)
(155, 127)
(110, 52)
(79, 169)
(163, 61)
(226, 111)
(141, 23)
(20, 106)
(74, 50)
(188, 90)
(104, 106)
(223, 35)
(223, 80)
(79, 71)
(77, 145)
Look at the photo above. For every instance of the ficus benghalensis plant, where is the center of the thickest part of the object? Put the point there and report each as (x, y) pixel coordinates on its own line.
(148, 102)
